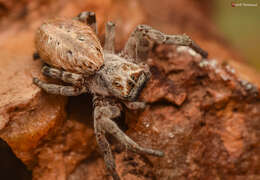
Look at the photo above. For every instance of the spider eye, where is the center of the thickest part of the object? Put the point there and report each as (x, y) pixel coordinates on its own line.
(117, 84)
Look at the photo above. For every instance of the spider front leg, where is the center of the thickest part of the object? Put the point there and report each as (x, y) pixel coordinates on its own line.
(138, 44)
(105, 110)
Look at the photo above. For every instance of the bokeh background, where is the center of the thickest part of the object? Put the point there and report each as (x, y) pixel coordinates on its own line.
(241, 27)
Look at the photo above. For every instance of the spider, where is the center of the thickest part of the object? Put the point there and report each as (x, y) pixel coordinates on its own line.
(73, 54)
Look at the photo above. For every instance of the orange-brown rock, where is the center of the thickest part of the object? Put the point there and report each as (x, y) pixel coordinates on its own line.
(213, 133)
(75, 140)
(26, 114)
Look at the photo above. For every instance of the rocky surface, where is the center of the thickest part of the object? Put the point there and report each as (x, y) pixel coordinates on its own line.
(26, 114)
(209, 124)
(204, 114)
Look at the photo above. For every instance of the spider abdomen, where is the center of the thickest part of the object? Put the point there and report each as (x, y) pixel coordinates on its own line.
(70, 45)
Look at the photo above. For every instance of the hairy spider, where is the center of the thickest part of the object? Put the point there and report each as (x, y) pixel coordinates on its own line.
(74, 55)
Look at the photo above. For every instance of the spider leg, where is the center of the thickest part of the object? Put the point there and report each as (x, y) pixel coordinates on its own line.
(58, 89)
(105, 110)
(111, 127)
(138, 45)
(88, 18)
(105, 148)
(110, 38)
(68, 77)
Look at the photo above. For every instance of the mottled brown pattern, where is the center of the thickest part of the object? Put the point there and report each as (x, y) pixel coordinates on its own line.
(70, 45)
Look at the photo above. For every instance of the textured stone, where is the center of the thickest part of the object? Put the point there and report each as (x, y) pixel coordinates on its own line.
(27, 114)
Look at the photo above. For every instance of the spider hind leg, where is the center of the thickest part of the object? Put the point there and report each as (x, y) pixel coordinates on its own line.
(88, 18)
(65, 76)
(58, 89)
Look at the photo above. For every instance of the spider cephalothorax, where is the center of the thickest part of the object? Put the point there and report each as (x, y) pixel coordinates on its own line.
(122, 78)
(74, 55)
